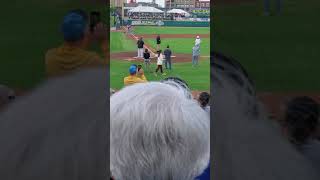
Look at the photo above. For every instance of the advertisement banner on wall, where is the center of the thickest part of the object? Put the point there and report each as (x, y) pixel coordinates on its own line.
(147, 23)
(190, 23)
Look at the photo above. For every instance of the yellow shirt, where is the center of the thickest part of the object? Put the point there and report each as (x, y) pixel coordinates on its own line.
(64, 59)
(133, 79)
(142, 77)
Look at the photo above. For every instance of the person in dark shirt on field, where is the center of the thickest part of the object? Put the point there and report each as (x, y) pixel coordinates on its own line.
(167, 54)
(140, 44)
(158, 41)
(146, 56)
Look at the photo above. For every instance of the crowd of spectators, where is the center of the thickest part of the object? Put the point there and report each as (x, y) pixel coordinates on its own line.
(146, 16)
(153, 16)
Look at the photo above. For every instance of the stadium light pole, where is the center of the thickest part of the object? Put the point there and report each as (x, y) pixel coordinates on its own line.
(122, 10)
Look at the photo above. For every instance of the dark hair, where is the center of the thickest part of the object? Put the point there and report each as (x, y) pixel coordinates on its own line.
(159, 52)
(180, 81)
(167, 46)
(301, 118)
(45, 137)
(146, 50)
(234, 70)
(204, 99)
(139, 65)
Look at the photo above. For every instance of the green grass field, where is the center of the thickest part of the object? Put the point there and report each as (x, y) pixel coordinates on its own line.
(198, 78)
(119, 43)
(27, 34)
(280, 52)
(171, 30)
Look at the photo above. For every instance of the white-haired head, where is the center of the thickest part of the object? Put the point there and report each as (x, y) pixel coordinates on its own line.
(157, 133)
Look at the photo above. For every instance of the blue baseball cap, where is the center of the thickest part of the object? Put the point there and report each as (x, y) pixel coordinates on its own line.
(73, 27)
(133, 69)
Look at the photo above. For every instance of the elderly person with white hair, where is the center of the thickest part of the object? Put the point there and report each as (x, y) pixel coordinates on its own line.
(160, 135)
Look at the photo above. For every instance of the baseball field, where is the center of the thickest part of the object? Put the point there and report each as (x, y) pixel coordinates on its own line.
(180, 39)
(280, 52)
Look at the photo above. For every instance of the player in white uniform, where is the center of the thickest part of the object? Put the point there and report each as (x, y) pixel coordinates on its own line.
(197, 41)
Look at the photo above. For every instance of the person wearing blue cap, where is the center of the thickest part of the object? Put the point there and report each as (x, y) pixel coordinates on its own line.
(72, 55)
(133, 78)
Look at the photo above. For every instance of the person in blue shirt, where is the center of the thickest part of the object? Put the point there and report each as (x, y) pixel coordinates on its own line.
(205, 175)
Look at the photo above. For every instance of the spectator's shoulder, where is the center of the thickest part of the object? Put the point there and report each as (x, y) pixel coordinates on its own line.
(51, 51)
(94, 58)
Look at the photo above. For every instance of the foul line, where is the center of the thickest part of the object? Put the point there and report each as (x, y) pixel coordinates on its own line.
(147, 47)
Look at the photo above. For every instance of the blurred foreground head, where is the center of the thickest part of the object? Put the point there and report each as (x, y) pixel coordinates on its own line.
(57, 131)
(74, 26)
(204, 99)
(157, 133)
(301, 119)
(6, 95)
(246, 144)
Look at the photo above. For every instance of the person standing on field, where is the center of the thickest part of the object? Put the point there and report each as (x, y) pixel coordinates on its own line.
(146, 56)
(140, 45)
(197, 41)
(159, 63)
(158, 39)
(167, 54)
(195, 55)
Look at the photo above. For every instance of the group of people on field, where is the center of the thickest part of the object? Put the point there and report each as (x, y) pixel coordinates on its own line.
(165, 56)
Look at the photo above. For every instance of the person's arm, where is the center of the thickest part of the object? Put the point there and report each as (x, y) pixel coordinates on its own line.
(100, 34)
(143, 78)
(140, 80)
(104, 48)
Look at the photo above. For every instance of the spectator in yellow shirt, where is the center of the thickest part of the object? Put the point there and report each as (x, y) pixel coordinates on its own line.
(72, 55)
(133, 78)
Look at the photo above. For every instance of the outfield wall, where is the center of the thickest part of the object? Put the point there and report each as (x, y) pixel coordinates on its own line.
(168, 23)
